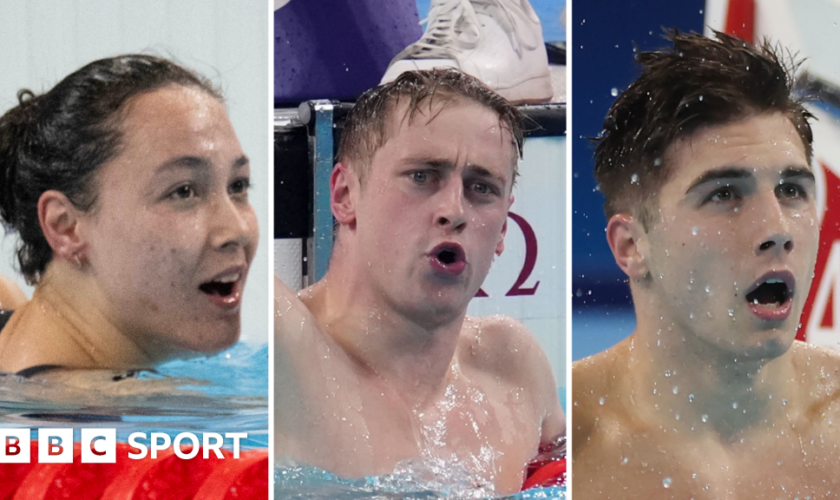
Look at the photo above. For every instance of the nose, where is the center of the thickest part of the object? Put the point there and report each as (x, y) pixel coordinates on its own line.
(231, 228)
(451, 212)
(775, 235)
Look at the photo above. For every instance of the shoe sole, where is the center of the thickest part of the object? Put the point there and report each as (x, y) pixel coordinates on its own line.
(537, 90)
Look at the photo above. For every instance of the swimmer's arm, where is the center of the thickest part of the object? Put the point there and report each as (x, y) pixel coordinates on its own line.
(11, 296)
(554, 420)
(554, 423)
(534, 371)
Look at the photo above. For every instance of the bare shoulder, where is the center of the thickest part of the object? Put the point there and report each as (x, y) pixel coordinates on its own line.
(594, 380)
(814, 357)
(290, 312)
(503, 346)
(504, 349)
(296, 331)
(819, 369)
(594, 373)
(11, 296)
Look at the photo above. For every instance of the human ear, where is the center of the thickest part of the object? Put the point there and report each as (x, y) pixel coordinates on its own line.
(500, 245)
(59, 220)
(344, 186)
(629, 244)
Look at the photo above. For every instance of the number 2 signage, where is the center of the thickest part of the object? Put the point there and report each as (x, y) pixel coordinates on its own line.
(530, 261)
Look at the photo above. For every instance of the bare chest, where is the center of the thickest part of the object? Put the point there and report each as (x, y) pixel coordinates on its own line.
(779, 463)
(355, 426)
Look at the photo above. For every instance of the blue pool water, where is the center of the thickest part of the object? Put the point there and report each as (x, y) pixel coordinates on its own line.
(598, 329)
(309, 483)
(224, 393)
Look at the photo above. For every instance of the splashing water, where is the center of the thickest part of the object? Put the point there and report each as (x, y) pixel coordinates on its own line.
(412, 479)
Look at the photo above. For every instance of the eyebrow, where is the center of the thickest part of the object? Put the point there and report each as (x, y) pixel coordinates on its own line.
(197, 162)
(448, 166)
(483, 172)
(727, 173)
(798, 172)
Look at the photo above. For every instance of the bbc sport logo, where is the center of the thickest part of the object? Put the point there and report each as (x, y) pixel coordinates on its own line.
(100, 445)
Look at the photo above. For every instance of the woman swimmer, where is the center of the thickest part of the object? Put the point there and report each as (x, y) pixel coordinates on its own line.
(128, 189)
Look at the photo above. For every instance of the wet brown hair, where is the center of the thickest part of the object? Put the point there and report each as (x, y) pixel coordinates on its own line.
(699, 82)
(365, 129)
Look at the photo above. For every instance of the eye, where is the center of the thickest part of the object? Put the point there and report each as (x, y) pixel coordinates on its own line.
(723, 195)
(240, 186)
(183, 192)
(420, 177)
(791, 191)
(482, 188)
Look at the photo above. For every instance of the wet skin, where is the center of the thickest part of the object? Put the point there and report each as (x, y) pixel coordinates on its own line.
(711, 397)
(377, 363)
(172, 215)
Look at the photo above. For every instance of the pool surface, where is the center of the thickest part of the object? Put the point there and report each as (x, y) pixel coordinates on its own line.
(409, 482)
(224, 393)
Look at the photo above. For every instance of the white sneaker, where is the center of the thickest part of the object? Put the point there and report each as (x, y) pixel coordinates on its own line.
(500, 42)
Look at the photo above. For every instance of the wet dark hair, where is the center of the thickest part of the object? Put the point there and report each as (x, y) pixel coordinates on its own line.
(365, 129)
(699, 82)
(58, 140)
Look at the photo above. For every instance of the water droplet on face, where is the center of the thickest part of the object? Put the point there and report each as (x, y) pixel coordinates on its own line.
(707, 288)
(701, 98)
(694, 231)
(666, 483)
(690, 315)
(734, 405)
(676, 389)
(704, 418)
(614, 92)
(731, 313)
(601, 401)
(624, 460)
(691, 398)
(634, 179)
(784, 402)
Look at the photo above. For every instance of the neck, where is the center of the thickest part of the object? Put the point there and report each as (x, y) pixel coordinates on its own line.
(405, 350)
(65, 324)
(689, 383)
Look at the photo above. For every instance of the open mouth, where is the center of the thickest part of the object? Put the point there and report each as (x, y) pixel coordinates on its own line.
(223, 286)
(448, 258)
(771, 295)
(773, 292)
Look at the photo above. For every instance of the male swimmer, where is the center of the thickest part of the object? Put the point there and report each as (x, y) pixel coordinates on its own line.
(705, 167)
(378, 363)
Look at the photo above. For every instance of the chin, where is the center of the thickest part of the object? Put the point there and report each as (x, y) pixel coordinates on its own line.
(222, 339)
(212, 338)
(774, 344)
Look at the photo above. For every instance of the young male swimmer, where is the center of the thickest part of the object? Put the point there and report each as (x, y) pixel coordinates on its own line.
(377, 362)
(705, 167)
(129, 191)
